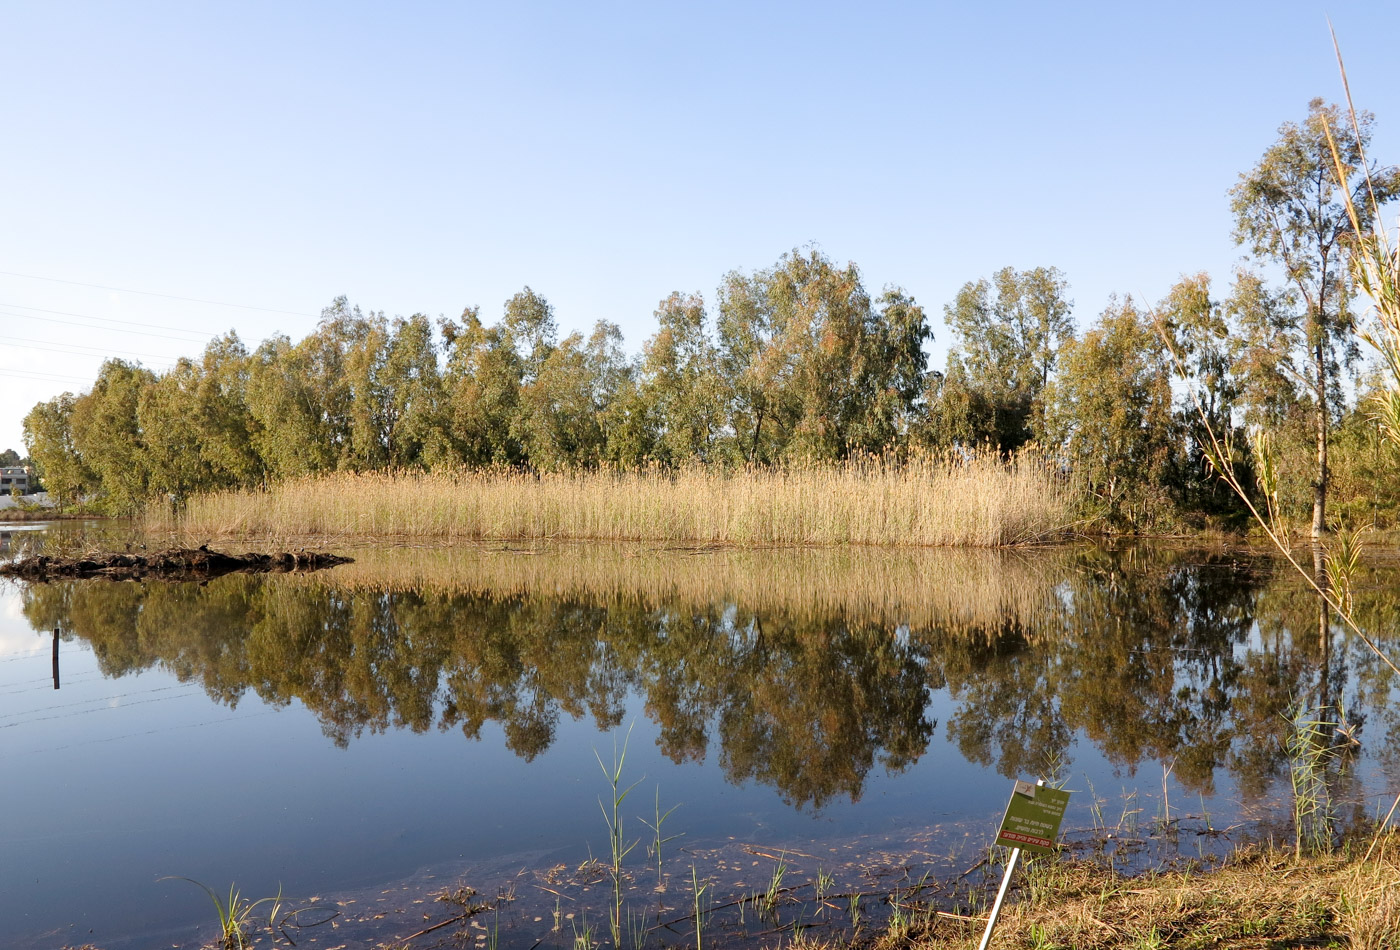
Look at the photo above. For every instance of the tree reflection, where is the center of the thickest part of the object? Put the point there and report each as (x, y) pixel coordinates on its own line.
(1153, 656)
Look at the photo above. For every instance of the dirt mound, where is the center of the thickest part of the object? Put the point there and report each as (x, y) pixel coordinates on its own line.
(174, 564)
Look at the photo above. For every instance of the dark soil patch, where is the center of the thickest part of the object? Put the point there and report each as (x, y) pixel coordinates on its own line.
(181, 564)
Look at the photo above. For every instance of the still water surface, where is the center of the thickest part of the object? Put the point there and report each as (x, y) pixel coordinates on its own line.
(370, 735)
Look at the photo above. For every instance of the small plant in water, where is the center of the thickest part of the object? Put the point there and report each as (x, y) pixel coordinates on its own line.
(583, 933)
(1310, 747)
(235, 913)
(1164, 820)
(658, 839)
(699, 891)
(493, 935)
(775, 888)
(617, 844)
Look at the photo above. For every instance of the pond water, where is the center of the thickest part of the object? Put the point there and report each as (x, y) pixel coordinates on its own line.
(364, 738)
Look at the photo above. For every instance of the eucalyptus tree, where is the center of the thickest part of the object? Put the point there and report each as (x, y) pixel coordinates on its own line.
(292, 434)
(1264, 361)
(812, 366)
(825, 316)
(226, 425)
(359, 343)
(563, 408)
(1198, 326)
(481, 389)
(680, 381)
(108, 436)
(1291, 209)
(167, 413)
(1007, 335)
(411, 416)
(899, 376)
(48, 438)
(1110, 409)
(531, 328)
(754, 370)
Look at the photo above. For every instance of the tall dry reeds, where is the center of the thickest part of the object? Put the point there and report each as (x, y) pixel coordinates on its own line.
(979, 501)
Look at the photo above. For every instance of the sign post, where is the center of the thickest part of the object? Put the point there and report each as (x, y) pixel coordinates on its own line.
(1031, 823)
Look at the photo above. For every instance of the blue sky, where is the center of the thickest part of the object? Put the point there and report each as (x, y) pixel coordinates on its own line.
(422, 157)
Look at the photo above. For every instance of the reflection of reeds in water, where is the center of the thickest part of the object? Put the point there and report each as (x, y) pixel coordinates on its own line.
(977, 502)
(958, 589)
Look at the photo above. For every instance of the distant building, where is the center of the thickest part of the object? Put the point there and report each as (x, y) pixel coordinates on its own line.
(12, 478)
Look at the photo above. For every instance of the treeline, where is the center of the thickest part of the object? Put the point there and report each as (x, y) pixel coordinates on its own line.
(796, 363)
(800, 362)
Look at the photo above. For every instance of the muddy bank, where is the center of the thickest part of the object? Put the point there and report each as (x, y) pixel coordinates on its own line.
(181, 564)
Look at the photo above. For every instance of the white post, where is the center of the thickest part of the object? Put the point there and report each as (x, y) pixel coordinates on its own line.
(1001, 892)
(1001, 895)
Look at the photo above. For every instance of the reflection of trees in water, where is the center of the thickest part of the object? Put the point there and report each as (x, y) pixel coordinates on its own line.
(1154, 656)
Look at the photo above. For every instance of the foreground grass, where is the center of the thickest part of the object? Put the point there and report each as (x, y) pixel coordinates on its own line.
(980, 502)
(1260, 898)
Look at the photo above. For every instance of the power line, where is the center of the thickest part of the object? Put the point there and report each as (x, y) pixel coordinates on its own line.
(67, 347)
(89, 326)
(71, 351)
(88, 316)
(151, 293)
(26, 374)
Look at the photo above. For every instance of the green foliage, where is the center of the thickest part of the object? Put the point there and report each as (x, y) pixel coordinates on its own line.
(48, 434)
(1006, 347)
(799, 363)
(1311, 750)
(1111, 411)
(1198, 329)
(1301, 207)
(814, 368)
(562, 410)
(681, 391)
(482, 389)
(108, 437)
(235, 913)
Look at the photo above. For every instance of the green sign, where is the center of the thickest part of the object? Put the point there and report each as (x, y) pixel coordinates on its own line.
(1032, 820)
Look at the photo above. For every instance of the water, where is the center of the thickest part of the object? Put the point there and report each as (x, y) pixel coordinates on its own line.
(365, 737)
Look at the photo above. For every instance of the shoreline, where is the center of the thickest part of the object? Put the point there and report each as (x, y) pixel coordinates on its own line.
(1254, 895)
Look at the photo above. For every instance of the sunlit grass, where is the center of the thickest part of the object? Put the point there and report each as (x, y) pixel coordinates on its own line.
(980, 502)
(1259, 898)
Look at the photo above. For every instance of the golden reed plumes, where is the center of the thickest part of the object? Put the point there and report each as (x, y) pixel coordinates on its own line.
(978, 501)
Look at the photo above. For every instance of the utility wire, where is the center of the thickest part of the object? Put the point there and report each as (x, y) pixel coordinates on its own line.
(26, 374)
(151, 293)
(74, 347)
(100, 354)
(88, 316)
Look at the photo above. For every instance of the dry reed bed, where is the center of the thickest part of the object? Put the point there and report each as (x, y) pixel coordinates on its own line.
(889, 587)
(978, 502)
(1259, 899)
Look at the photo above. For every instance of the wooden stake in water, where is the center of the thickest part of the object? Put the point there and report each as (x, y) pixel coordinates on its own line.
(55, 658)
(1031, 822)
